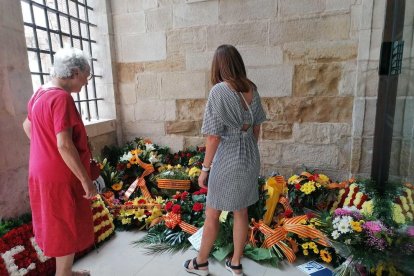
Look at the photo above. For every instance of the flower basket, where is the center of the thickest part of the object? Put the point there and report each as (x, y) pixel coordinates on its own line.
(174, 184)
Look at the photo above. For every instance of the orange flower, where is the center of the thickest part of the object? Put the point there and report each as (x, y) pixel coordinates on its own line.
(117, 186)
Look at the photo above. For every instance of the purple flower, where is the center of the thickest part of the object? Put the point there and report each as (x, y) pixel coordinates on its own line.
(373, 226)
(342, 212)
(410, 231)
(375, 242)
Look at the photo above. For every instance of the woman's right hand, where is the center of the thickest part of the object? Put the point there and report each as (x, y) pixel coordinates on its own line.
(202, 179)
(90, 190)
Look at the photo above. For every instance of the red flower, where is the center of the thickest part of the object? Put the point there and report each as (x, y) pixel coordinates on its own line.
(147, 213)
(188, 155)
(142, 201)
(197, 207)
(182, 154)
(177, 195)
(297, 186)
(310, 215)
(176, 209)
(203, 191)
(201, 149)
(184, 195)
(288, 213)
(168, 206)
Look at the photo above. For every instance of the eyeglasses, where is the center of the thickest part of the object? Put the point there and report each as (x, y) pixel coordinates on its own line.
(90, 77)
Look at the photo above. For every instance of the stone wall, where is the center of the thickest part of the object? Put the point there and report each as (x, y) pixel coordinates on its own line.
(15, 91)
(302, 55)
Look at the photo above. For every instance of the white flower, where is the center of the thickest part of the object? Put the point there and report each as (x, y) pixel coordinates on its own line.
(335, 234)
(126, 156)
(352, 209)
(348, 241)
(149, 147)
(343, 226)
(153, 158)
(336, 220)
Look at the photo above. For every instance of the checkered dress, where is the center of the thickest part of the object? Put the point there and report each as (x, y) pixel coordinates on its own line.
(232, 183)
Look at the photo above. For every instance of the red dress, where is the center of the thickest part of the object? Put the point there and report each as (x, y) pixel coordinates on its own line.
(62, 218)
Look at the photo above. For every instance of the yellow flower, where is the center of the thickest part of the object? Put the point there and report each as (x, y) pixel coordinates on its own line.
(318, 184)
(316, 250)
(308, 187)
(305, 252)
(159, 200)
(194, 171)
(117, 186)
(136, 152)
(356, 226)
(169, 167)
(312, 245)
(140, 214)
(397, 214)
(126, 221)
(323, 179)
(326, 257)
(367, 208)
(178, 166)
(305, 245)
(292, 179)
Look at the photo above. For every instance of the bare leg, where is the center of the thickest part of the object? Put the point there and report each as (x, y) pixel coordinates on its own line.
(240, 230)
(211, 228)
(64, 265)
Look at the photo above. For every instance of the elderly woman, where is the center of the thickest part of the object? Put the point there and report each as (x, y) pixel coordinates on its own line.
(60, 186)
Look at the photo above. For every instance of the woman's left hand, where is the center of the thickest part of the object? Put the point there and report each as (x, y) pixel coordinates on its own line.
(202, 179)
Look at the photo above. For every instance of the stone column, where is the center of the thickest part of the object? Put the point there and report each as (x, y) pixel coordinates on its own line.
(15, 91)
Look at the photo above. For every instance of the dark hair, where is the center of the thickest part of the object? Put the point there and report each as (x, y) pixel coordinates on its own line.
(228, 66)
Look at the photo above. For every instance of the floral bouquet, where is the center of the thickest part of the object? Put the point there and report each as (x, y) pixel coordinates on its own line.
(309, 190)
(173, 178)
(185, 214)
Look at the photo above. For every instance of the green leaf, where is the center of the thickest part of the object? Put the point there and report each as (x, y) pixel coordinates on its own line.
(222, 252)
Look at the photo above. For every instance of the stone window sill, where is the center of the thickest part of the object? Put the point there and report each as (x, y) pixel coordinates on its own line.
(96, 128)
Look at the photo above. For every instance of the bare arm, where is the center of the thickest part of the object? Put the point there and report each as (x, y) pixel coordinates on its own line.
(71, 157)
(27, 126)
(256, 131)
(212, 142)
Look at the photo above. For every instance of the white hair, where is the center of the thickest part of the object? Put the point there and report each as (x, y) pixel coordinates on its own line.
(68, 59)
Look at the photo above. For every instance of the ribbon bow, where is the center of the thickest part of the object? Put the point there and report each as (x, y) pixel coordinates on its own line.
(172, 220)
(140, 181)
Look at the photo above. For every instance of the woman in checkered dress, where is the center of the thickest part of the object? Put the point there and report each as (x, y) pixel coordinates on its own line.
(232, 121)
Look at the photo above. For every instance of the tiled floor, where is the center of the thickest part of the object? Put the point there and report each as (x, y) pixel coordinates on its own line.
(119, 257)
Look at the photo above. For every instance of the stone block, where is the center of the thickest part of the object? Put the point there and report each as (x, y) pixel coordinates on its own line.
(338, 5)
(246, 34)
(344, 157)
(320, 51)
(407, 158)
(321, 156)
(189, 128)
(240, 11)
(356, 11)
(399, 118)
(143, 47)
(127, 24)
(270, 152)
(261, 56)
(99, 142)
(317, 79)
(140, 5)
(95, 129)
(369, 118)
(127, 112)
(364, 44)
(408, 129)
(312, 133)
(395, 157)
(331, 27)
(367, 13)
(127, 93)
(182, 85)
(276, 131)
(365, 163)
(174, 62)
(309, 109)
(300, 7)
(199, 60)
(11, 16)
(15, 202)
(196, 14)
(409, 11)
(146, 129)
(174, 142)
(358, 117)
(273, 81)
(347, 84)
(190, 110)
(159, 20)
(356, 152)
(375, 45)
(191, 142)
(378, 14)
(186, 40)
(155, 110)
(120, 7)
(147, 86)
(270, 169)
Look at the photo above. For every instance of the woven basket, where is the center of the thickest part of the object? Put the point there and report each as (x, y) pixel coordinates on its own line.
(174, 184)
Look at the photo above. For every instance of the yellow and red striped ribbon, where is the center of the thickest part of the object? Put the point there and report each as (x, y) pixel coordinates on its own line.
(172, 220)
(140, 182)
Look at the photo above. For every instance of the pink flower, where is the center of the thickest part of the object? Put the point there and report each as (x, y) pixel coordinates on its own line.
(373, 226)
(410, 231)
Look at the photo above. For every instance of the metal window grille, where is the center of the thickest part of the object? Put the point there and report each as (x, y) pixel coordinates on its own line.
(52, 24)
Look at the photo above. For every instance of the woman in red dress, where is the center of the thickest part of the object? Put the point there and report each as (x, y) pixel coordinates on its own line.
(60, 186)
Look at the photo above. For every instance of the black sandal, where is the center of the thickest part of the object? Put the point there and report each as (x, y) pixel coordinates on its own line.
(195, 270)
(231, 268)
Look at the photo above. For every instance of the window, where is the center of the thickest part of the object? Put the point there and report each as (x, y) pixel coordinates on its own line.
(51, 24)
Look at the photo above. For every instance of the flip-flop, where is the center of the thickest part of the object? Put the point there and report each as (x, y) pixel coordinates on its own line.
(81, 273)
(195, 269)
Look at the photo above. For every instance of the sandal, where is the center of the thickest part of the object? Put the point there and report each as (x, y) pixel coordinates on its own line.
(81, 273)
(231, 268)
(195, 269)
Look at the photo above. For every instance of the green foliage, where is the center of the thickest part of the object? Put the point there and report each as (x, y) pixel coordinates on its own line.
(9, 224)
(258, 209)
